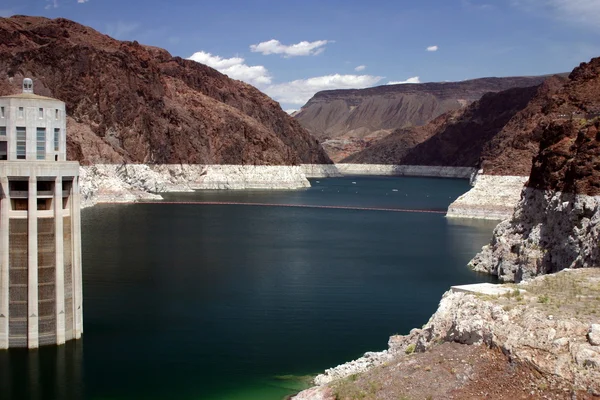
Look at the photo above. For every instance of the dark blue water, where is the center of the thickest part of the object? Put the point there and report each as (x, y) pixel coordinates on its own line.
(238, 302)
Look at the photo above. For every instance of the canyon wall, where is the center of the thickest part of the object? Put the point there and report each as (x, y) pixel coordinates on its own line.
(133, 104)
(555, 225)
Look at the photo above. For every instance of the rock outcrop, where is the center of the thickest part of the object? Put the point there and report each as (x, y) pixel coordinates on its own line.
(555, 225)
(130, 103)
(525, 325)
(548, 324)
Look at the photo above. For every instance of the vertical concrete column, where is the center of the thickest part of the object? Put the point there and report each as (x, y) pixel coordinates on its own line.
(4, 259)
(32, 248)
(60, 265)
(76, 243)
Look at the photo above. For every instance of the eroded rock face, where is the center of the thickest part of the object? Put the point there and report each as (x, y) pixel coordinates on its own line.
(548, 232)
(553, 346)
(555, 224)
(548, 324)
(138, 104)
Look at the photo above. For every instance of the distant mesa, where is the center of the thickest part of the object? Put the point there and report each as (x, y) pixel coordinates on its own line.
(348, 121)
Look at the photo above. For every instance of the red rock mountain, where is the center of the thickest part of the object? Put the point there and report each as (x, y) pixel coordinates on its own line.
(499, 133)
(348, 120)
(569, 154)
(132, 103)
(363, 112)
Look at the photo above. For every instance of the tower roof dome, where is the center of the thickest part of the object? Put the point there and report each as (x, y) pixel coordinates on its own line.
(27, 85)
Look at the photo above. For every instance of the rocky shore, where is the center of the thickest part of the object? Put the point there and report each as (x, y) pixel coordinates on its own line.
(405, 170)
(113, 183)
(492, 197)
(548, 325)
(125, 183)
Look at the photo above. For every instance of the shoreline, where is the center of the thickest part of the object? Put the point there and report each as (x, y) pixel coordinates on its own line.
(128, 183)
(562, 345)
(491, 197)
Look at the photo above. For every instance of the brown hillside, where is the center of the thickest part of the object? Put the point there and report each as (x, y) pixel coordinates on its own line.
(569, 156)
(360, 113)
(133, 103)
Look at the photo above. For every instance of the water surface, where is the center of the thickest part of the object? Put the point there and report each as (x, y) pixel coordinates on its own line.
(236, 302)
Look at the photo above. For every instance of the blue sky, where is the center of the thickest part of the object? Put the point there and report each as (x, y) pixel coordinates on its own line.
(291, 49)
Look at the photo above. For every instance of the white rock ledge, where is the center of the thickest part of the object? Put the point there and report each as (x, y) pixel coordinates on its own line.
(492, 197)
(111, 183)
(320, 170)
(406, 170)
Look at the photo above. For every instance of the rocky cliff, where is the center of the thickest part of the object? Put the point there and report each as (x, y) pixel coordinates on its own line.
(556, 223)
(130, 103)
(348, 120)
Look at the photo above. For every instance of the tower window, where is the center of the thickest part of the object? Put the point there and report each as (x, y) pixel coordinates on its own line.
(56, 138)
(56, 114)
(1, 112)
(41, 143)
(3, 151)
(40, 113)
(21, 112)
(2, 131)
(21, 143)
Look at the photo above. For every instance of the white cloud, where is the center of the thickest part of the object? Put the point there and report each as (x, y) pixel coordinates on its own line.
(303, 48)
(414, 79)
(234, 68)
(82, 1)
(301, 90)
(432, 48)
(576, 12)
(477, 5)
(121, 30)
(51, 4)
(360, 68)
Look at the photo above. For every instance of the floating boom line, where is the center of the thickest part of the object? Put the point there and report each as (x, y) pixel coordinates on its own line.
(233, 203)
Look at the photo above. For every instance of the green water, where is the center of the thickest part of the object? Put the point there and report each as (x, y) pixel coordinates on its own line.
(242, 302)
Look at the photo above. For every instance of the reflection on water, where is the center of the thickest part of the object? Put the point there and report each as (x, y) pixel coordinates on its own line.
(222, 302)
(465, 236)
(48, 373)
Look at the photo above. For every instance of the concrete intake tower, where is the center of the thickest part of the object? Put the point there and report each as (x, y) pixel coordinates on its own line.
(40, 227)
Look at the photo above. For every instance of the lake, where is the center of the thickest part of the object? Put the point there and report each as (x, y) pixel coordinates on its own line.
(191, 301)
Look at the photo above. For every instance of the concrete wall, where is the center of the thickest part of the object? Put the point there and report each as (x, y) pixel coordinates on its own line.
(31, 120)
(61, 203)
